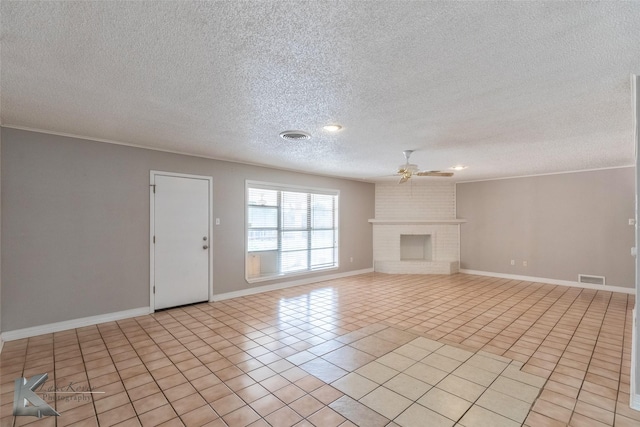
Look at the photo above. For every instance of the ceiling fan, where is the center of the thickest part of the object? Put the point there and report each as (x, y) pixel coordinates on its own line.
(407, 170)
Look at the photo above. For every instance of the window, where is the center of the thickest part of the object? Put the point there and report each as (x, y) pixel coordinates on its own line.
(290, 230)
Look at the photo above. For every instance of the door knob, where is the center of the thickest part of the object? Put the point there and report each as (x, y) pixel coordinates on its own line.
(205, 247)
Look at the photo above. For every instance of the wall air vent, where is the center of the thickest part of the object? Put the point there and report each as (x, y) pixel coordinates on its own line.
(295, 135)
(591, 280)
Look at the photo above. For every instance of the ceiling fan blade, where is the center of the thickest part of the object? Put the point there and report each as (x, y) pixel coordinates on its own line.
(404, 179)
(435, 173)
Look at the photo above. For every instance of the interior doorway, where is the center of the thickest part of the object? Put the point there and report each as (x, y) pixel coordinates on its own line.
(180, 232)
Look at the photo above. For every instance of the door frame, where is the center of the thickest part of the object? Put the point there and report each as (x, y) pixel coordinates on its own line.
(152, 184)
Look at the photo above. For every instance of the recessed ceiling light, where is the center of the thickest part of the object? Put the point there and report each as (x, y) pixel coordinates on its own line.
(332, 128)
(458, 167)
(295, 135)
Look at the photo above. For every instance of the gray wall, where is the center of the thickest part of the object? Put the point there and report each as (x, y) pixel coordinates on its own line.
(75, 224)
(562, 225)
(636, 327)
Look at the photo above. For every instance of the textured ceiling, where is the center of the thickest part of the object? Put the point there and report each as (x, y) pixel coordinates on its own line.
(508, 89)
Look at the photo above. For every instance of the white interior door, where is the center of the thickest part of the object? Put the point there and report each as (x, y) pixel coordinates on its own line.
(181, 213)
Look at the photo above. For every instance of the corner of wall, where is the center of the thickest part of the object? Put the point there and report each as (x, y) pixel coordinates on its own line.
(1, 342)
(635, 341)
(634, 396)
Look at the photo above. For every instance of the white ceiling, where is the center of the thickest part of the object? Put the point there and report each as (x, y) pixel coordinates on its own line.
(508, 89)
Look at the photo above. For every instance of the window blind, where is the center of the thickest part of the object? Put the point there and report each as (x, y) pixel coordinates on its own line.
(290, 230)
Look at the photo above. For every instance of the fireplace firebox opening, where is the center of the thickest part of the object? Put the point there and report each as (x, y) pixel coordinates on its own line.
(415, 247)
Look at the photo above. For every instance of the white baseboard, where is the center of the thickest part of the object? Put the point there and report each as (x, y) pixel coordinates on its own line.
(72, 324)
(1, 344)
(284, 285)
(110, 317)
(551, 281)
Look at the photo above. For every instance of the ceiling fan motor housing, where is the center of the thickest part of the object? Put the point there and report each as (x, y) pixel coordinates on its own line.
(407, 170)
(409, 167)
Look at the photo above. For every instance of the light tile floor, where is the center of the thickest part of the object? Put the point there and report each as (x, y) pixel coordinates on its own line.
(370, 350)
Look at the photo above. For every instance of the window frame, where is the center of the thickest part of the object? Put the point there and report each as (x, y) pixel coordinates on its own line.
(281, 229)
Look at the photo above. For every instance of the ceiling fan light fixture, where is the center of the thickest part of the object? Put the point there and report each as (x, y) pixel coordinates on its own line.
(458, 167)
(332, 128)
(295, 135)
(409, 167)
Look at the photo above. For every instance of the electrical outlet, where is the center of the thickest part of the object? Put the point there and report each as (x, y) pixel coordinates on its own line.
(513, 262)
(351, 259)
(524, 263)
(632, 221)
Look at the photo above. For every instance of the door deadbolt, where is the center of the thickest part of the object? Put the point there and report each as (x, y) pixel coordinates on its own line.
(204, 238)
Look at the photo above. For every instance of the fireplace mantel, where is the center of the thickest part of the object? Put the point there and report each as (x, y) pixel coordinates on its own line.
(416, 221)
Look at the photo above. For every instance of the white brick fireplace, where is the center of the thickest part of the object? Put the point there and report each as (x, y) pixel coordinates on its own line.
(415, 230)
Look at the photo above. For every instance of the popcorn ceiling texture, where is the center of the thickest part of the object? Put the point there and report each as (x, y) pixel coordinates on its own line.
(508, 88)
